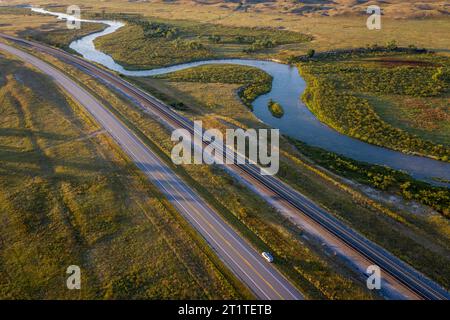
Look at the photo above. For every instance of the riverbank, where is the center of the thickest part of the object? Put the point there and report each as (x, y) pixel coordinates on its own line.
(346, 92)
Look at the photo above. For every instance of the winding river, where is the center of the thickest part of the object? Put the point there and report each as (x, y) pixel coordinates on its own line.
(298, 122)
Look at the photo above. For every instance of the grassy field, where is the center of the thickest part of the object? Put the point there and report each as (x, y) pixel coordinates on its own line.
(68, 196)
(57, 34)
(254, 81)
(380, 177)
(428, 118)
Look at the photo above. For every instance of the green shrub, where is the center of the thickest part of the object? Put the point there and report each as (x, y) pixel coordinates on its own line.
(275, 108)
(336, 95)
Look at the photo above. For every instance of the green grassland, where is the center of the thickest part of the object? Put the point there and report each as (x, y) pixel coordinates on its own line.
(69, 196)
(14, 20)
(255, 82)
(341, 94)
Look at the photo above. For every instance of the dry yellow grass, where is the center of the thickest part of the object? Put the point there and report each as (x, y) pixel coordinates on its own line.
(339, 31)
(12, 23)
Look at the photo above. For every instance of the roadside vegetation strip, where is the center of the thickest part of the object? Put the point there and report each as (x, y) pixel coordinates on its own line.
(227, 195)
(84, 200)
(255, 81)
(335, 95)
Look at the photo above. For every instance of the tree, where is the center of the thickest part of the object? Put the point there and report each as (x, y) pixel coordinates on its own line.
(391, 45)
(311, 53)
(292, 59)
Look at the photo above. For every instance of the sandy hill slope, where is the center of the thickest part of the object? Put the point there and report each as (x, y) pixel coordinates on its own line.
(393, 8)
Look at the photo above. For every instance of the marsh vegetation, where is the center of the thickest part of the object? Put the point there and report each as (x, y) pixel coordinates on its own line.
(342, 94)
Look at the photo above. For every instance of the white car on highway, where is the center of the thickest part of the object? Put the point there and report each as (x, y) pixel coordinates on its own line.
(267, 256)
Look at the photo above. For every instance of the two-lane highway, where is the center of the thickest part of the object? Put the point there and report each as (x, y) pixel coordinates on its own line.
(262, 278)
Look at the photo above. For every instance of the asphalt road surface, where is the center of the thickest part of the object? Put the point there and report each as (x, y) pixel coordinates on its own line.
(246, 263)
